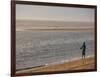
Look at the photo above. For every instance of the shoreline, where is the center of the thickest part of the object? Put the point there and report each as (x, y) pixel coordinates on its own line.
(79, 64)
(54, 63)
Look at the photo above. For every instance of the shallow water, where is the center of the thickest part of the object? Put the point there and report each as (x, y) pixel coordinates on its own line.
(35, 48)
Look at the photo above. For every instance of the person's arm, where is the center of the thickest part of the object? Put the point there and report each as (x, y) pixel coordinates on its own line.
(81, 47)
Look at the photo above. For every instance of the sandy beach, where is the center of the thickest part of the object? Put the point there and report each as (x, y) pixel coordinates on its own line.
(88, 63)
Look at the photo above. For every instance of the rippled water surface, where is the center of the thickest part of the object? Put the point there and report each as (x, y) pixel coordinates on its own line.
(35, 48)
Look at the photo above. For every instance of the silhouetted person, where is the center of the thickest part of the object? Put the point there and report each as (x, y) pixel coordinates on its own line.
(83, 50)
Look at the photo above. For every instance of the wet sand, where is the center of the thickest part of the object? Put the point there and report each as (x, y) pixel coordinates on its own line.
(88, 63)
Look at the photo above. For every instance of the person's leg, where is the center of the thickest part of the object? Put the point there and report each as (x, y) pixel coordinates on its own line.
(82, 56)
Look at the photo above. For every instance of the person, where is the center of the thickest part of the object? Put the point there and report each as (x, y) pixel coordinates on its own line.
(83, 47)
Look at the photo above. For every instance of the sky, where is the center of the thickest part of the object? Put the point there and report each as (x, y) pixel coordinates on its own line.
(38, 12)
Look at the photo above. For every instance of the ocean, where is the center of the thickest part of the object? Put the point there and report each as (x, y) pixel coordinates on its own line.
(36, 48)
